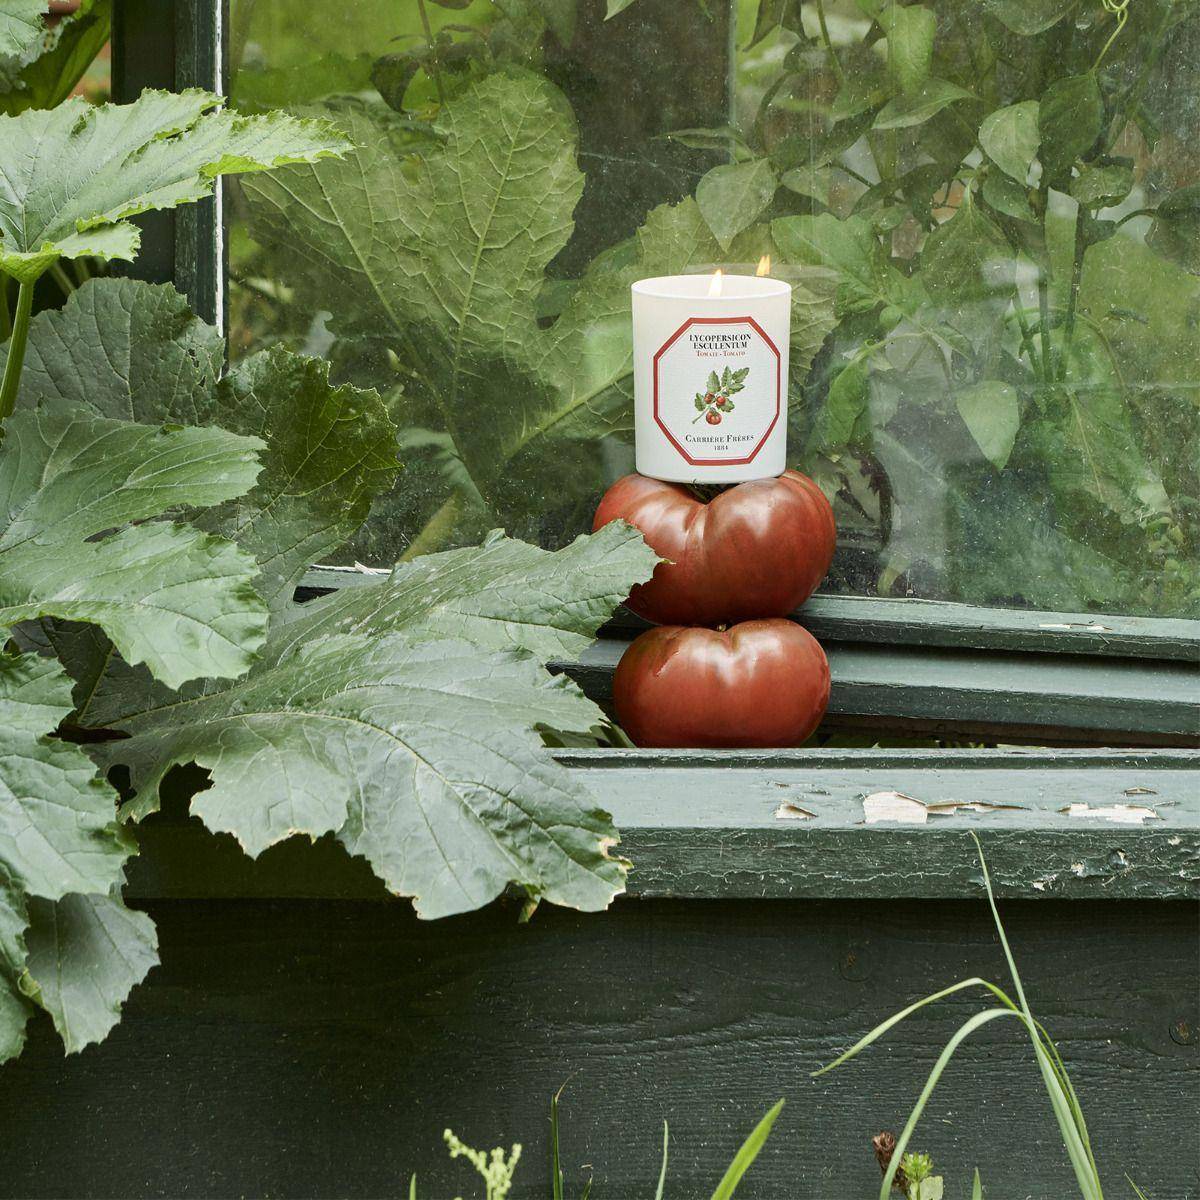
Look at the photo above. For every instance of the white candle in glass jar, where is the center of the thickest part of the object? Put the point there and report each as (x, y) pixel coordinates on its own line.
(710, 369)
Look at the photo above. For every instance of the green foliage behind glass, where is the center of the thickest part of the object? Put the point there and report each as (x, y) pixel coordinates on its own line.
(989, 208)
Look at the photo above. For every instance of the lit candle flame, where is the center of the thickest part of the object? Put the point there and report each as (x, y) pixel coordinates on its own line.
(718, 281)
(764, 265)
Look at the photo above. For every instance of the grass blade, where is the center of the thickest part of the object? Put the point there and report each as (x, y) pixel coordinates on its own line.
(662, 1174)
(964, 1031)
(896, 1018)
(1066, 1111)
(977, 1187)
(1060, 1070)
(747, 1154)
(1137, 1191)
(556, 1176)
(412, 1187)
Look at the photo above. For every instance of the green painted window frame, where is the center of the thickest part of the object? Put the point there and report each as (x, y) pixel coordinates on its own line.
(902, 666)
(747, 825)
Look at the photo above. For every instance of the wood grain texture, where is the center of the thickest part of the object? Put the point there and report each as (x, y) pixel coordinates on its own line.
(961, 690)
(749, 825)
(319, 1049)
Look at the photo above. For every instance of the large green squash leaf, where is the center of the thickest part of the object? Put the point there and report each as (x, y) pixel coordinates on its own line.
(444, 262)
(168, 595)
(421, 757)
(21, 26)
(48, 65)
(70, 176)
(418, 752)
(445, 258)
(123, 348)
(504, 594)
(61, 860)
(346, 704)
(330, 451)
(86, 953)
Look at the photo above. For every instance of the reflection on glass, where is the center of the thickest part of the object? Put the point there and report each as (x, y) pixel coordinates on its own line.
(988, 210)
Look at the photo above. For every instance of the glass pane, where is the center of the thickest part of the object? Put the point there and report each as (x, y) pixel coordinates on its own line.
(988, 209)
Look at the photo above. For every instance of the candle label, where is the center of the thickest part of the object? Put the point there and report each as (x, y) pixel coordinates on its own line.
(718, 390)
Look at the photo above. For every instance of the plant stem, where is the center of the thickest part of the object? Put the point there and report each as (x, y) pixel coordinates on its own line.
(61, 278)
(437, 529)
(833, 58)
(5, 315)
(437, 75)
(16, 350)
(1121, 12)
(1043, 287)
(1026, 335)
(1073, 294)
(841, 166)
(1132, 97)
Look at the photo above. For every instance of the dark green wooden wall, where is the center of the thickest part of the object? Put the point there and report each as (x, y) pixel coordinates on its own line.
(318, 1048)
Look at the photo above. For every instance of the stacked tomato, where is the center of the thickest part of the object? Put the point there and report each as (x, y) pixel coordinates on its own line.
(724, 667)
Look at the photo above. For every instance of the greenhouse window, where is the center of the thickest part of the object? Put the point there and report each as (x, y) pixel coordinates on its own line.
(994, 346)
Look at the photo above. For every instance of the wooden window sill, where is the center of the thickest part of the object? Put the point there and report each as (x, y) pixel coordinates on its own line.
(747, 825)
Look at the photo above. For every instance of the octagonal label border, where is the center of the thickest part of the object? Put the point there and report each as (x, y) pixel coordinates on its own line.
(720, 462)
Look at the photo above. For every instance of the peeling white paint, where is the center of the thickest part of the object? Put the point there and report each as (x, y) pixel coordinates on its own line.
(788, 811)
(1093, 628)
(1078, 870)
(1174, 841)
(946, 807)
(1139, 791)
(894, 806)
(908, 810)
(1118, 814)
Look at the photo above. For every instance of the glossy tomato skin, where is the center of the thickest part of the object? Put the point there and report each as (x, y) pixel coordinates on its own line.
(759, 684)
(755, 550)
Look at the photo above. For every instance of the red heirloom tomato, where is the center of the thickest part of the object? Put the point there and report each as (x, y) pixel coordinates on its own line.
(761, 683)
(756, 550)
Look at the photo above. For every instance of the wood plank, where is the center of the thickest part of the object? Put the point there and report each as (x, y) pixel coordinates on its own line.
(318, 1050)
(1120, 700)
(748, 825)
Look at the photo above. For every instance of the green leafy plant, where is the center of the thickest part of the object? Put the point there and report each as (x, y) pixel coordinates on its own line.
(716, 400)
(79, 541)
(41, 59)
(497, 1168)
(970, 174)
(1001, 286)
(156, 514)
(450, 296)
